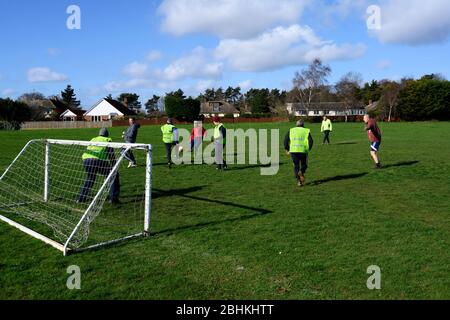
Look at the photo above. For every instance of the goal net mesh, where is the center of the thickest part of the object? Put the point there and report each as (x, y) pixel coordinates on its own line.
(77, 188)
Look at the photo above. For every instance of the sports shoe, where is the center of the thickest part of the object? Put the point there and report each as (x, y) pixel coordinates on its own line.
(302, 180)
(378, 166)
(115, 202)
(132, 165)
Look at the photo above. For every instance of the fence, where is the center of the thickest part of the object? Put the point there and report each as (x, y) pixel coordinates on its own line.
(65, 125)
(163, 120)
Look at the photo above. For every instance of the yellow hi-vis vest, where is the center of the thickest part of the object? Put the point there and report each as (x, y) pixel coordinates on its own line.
(167, 131)
(327, 125)
(299, 140)
(217, 133)
(94, 152)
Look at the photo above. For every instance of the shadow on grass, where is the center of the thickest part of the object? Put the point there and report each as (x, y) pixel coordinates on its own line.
(338, 178)
(344, 143)
(256, 166)
(184, 193)
(400, 164)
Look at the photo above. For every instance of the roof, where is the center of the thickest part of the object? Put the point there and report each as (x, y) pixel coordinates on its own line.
(322, 106)
(78, 113)
(223, 107)
(117, 105)
(60, 108)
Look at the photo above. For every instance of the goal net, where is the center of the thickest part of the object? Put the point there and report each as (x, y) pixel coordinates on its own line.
(76, 195)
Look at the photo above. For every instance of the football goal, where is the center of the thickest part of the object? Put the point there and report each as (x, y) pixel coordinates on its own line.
(78, 195)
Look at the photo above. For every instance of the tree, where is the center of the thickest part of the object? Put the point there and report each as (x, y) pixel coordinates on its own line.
(152, 104)
(69, 98)
(425, 99)
(309, 81)
(347, 90)
(258, 100)
(131, 100)
(182, 108)
(14, 112)
(371, 92)
(109, 97)
(38, 104)
(390, 93)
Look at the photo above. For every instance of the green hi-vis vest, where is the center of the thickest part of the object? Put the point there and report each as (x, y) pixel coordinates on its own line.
(94, 152)
(217, 133)
(167, 131)
(299, 140)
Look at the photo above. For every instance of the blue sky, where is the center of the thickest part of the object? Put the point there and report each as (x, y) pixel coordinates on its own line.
(151, 47)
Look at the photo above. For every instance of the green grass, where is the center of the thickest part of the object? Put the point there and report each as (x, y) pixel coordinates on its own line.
(240, 235)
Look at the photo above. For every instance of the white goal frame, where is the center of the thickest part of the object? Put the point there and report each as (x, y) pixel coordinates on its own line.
(64, 247)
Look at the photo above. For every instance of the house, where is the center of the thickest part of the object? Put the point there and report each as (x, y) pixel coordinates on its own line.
(108, 109)
(210, 109)
(59, 110)
(324, 109)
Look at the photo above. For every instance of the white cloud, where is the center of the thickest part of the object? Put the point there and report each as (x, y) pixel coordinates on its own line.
(44, 75)
(196, 65)
(135, 69)
(53, 51)
(8, 92)
(282, 47)
(228, 18)
(245, 85)
(414, 22)
(154, 55)
(384, 64)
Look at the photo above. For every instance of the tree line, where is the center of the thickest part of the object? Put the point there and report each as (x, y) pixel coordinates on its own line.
(427, 98)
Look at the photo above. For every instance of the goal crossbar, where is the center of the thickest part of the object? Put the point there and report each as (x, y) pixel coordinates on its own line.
(65, 247)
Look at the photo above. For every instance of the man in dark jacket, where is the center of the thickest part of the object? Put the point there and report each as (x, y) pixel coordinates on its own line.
(297, 143)
(130, 136)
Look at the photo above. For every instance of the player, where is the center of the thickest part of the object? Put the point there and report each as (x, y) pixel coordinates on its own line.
(298, 143)
(170, 139)
(327, 128)
(374, 134)
(197, 135)
(220, 140)
(99, 160)
(130, 136)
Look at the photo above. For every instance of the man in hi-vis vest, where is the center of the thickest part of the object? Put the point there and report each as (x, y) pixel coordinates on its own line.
(170, 139)
(298, 142)
(327, 128)
(99, 160)
(220, 140)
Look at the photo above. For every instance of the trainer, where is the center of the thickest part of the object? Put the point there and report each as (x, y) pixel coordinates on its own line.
(298, 143)
(130, 136)
(170, 139)
(99, 160)
(327, 128)
(374, 135)
(220, 140)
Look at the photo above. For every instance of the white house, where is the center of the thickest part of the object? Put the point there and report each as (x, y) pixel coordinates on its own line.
(324, 109)
(108, 109)
(72, 115)
(218, 108)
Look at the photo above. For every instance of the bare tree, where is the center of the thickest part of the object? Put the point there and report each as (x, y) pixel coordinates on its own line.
(308, 82)
(346, 90)
(391, 91)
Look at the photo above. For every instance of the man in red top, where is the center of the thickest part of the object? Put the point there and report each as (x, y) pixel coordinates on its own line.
(197, 135)
(374, 134)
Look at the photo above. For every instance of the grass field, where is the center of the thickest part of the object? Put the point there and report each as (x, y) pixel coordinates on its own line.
(240, 235)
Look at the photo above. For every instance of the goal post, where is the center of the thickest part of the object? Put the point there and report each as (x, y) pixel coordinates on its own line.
(55, 191)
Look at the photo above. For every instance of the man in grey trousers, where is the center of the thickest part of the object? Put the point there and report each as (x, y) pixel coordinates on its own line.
(130, 136)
